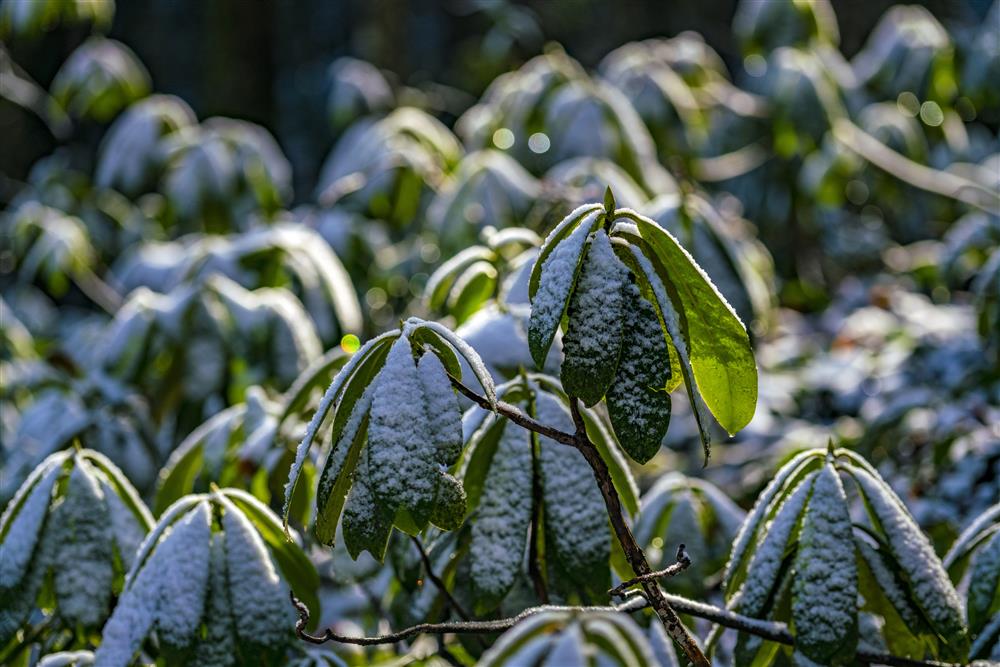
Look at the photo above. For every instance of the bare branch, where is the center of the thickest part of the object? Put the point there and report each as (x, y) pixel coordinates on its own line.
(683, 562)
(770, 630)
(455, 627)
(429, 569)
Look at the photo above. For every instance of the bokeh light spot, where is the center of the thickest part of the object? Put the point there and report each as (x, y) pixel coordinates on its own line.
(503, 138)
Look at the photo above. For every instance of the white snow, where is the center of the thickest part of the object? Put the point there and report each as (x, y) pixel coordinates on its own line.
(574, 507)
(825, 588)
(921, 567)
(82, 542)
(180, 565)
(23, 519)
(558, 275)
(499, 532)
(444, 415)
(258, 595)
(401, 452)
(593, 340)
(762, 575)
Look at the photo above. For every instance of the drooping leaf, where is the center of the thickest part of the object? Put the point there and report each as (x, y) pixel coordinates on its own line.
(638, 402)
(825, 588)
(593, 340)
(558, 274)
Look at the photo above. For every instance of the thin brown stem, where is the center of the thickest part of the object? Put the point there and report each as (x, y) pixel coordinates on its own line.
(616, 514)
(683, 562)
(770, 630)
(436, 580)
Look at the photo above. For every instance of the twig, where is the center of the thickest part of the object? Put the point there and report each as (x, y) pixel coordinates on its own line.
(683, 562)
(769, 630)
(436, 580)
(616, 514)
(451, 627)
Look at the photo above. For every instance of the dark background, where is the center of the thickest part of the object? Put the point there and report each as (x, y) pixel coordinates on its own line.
(266, 60)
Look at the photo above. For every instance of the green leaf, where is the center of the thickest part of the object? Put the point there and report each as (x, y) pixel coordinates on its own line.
(318, 373)
(178, 477)
(441, 281)
(476, 284)
(984, 586)
(593, 340)
(649, 272)
(638, 402)
(336, 478)
(477, 458)
(825, 587)
(366, 523)
(610, 451)
(721, 356)
(558, 271)
(925, 575)
(414, 325)
(449, 506)
(884, 594)
(560, 232)
(295, 566)
(331, 398)
(784, 482)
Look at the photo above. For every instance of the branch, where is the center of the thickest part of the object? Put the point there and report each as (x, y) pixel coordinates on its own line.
(429, 569)
(453, 627)
(683, 562)
(769, 630)
(616, 514)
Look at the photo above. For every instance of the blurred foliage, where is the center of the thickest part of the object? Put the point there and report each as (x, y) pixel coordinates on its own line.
(194, 246)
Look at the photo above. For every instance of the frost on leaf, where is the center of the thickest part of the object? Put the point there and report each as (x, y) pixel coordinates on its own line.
(499, 533)
(984, 586)
(21, 530)
(576, 520)
(444, 415)
(927, 579)
(366, 522)
(216, 646)
(638, 403)
(181, 564)
(593, 340)
(764, 574)
(558, 275)
(82, 550)
(825, 587)
(451, 503)
(258, 595)
(401, 451)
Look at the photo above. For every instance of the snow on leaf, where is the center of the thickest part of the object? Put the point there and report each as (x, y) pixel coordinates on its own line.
(576, 519)
(82, 550)
(139, 605)
(593, 340)
(638, 403)
(366, 522)
(558, 275)
(984, 585)
(23, 527)
(568, 649)
(765, 565)
(181, 564)
(499, 533)
(329, 398)
(258, 596)
(552, 240)
(825, 588)
(451, 503)
(889, 584)
(468, 353)
(754, 520)
(672, 324)
(217, 647)
(401, 453)
(927, 579)
(444, 415)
